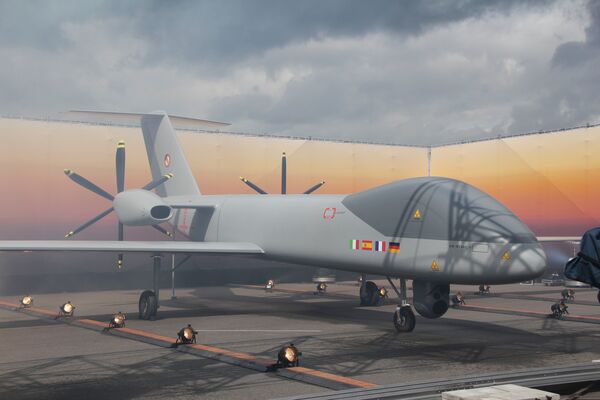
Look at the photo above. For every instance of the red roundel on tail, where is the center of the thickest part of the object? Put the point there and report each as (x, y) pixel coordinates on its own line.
(167, 160)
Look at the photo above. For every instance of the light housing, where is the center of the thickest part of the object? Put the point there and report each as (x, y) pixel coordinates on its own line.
(322, 287)
(288, 356)
(26, 301)
(67, 309)
(118, 320)
(269, 285)
(186, 335)
(383, 292)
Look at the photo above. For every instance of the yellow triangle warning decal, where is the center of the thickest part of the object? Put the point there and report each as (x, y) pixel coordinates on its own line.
(506, 256)
(417, 214)
(435, 266)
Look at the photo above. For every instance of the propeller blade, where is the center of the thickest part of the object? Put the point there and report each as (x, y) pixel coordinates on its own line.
(162, 230)
(90, 222)
(120, 166)
(80, 180)
(252, 185)
(158, 182)
(315, 187)
(283, 174)
(120, 238)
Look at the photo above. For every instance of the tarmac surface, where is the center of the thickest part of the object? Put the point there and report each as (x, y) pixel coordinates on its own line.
(41, 358)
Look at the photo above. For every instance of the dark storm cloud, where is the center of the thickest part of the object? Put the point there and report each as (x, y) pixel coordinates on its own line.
(231, 30)
(386, 71)
(234, 29)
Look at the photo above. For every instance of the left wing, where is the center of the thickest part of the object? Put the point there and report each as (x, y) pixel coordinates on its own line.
(131, 246)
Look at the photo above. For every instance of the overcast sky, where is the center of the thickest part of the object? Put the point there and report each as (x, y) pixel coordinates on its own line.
(414, 72)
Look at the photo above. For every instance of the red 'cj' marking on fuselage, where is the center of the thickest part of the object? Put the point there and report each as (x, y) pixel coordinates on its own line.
(167, 160)
(329, 213)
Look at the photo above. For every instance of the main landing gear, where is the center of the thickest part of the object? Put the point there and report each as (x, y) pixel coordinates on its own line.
(148, 304)
(404, 317)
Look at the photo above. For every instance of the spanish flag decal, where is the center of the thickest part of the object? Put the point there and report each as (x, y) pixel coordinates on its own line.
(367, 245)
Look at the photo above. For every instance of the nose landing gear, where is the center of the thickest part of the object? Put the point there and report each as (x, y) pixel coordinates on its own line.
(404, 317)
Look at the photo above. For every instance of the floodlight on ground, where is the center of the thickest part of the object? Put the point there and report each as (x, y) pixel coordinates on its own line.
(117, 321)
(66, 310)
(288, 356)
(321, 288)
(383, 292)
(186, 335)
(269, 285)
(26, 301)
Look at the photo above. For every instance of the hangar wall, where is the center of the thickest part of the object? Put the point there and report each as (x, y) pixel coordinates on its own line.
(549, 180)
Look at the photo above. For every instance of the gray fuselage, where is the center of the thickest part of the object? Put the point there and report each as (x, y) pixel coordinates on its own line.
(445, 231)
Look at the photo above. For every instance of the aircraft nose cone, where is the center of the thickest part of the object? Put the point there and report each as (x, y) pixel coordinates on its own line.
(528, 261)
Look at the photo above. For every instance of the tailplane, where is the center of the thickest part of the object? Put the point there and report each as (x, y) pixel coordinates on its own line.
(162, 146)
(165, 156)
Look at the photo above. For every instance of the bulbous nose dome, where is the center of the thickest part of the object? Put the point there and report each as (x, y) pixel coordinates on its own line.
(448, 210)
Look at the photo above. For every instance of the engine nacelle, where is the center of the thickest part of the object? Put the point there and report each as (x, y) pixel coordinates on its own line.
(431, 299)
(138, 207)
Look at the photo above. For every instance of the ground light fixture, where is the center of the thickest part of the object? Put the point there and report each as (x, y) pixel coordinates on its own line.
(186, 335)
(66, 310)
(26, 301)
(383, 293)
(321, 288)
(117, 321)
(269, 285)
(288, 356)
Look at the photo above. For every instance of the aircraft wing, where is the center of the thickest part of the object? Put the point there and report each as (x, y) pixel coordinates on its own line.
(131, 246)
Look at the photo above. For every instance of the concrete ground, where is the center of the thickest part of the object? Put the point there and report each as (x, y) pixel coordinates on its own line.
(43, 359)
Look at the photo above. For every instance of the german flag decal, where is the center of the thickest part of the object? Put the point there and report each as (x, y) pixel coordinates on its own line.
(394, 247)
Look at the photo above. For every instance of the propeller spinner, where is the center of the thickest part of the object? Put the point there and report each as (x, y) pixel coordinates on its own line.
(120, 177)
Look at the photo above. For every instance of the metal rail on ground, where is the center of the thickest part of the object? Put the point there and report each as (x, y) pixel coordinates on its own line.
(431, 389)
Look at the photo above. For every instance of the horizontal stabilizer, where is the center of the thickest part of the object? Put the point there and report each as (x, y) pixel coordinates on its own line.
(131, 246)
(134, 118)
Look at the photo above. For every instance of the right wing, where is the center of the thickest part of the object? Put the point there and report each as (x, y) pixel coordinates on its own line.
(131, 246)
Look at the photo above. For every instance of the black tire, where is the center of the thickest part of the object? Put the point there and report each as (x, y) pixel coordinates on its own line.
(369, 294)
(404, 320)
(147, 305)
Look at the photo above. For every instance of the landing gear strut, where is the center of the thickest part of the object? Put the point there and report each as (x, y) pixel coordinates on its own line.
(148, 304)
(404, 317)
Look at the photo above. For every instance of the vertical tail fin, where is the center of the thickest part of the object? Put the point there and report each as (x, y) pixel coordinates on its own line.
(165, 156)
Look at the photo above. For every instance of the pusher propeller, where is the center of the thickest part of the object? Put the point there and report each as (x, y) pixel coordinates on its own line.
(257, 189)
(120, 178)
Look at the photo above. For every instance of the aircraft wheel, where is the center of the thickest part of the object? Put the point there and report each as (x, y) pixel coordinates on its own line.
(147, 305)
(404, 319)
(369, 294)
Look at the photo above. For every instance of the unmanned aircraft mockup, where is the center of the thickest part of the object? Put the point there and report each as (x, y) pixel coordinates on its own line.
(435, 231)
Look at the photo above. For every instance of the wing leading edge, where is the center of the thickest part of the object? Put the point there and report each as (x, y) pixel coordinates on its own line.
(132, 246)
